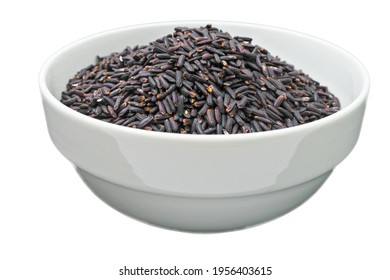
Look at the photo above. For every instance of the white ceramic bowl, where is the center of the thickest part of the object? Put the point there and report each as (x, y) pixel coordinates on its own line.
(207, 182)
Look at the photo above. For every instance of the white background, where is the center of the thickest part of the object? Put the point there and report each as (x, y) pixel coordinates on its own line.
(53, 227)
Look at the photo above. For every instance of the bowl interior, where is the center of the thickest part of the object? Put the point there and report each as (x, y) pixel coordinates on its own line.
(323, 61)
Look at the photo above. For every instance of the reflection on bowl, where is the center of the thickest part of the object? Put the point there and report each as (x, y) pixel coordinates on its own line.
(207, 182)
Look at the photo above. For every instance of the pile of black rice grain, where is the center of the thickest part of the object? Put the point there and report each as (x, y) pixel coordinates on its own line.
(198, 81)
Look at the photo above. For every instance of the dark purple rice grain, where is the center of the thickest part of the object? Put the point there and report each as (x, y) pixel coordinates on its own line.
(199, 81)
(179, 78)
(168, 127)
(174, 125)
(241, 103)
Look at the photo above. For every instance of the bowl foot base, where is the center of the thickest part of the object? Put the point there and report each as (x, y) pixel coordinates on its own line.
(201, 214)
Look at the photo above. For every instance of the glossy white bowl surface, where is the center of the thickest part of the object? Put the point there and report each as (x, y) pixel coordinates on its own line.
(207, 182)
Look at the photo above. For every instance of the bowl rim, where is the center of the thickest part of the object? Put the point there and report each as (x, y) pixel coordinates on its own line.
(109, 127)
